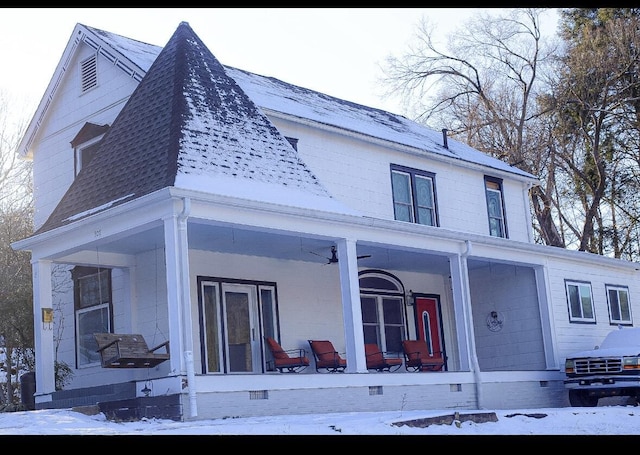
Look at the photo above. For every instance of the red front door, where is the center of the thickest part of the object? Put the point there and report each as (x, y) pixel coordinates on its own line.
(428, 321)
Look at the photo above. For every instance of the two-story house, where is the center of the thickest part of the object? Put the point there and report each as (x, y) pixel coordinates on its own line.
(186, 201)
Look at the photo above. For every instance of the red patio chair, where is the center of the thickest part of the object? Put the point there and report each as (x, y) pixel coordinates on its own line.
(377, 360)
(418, 358)
(282, 360)
(327, 358)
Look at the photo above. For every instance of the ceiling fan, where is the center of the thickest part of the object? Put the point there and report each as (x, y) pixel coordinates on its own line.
(334, 255)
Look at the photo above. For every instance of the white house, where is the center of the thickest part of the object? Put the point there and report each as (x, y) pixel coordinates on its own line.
(198, 204)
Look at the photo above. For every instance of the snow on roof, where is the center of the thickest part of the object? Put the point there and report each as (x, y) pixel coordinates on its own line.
(276, 95)
(225, 137)
(141, 54)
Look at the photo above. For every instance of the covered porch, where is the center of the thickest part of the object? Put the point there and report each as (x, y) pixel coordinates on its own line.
(180, 263)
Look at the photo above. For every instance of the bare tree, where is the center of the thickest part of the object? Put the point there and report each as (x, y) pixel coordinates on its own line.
(484, 89)
(596, 110)
(16, 323)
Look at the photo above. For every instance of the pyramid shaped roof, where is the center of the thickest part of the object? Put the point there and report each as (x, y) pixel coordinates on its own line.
(188, 124)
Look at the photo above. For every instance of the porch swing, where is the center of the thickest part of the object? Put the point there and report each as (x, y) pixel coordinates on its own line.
(119, 350)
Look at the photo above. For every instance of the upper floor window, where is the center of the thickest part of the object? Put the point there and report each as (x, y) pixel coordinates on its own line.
(619, 307)
(92, 302)
(89, 73)
(414, 198)
(495, 207)
(86, 143)
(580, 301)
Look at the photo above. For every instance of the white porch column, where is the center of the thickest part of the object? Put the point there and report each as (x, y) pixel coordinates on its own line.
(179, 298)
(351, 309)
(459, 285)
(43, 331)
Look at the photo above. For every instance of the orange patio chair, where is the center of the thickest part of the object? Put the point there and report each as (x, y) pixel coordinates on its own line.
(418, 358)
(377, 360)
(327, 358)
(292, 360)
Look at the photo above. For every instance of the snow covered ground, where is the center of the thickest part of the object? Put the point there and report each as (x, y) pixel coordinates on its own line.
(601, 420)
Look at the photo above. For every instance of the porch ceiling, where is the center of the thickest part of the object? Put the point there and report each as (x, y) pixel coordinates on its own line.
(227, 239)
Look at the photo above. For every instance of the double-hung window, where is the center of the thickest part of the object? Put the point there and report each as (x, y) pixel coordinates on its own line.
(382, 304)
(619, 307)
(414, 198)
(92, 296)
(580, 301)
(495, 207)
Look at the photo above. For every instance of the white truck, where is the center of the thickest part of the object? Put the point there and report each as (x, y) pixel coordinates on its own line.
(612, 369)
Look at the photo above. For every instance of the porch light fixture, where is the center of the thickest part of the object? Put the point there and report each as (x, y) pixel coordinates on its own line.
(409, 299)
(47, 318)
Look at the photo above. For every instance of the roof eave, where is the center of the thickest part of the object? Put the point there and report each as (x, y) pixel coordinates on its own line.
(520, 176)
(80, 34)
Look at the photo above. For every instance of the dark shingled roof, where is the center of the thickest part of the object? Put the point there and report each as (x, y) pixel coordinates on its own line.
(186, 116)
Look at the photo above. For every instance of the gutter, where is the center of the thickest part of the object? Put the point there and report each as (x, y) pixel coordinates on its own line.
(475, 366)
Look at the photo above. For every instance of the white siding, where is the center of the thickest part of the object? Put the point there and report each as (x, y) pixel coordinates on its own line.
(574, 336)
(53, 169)
(358, 174)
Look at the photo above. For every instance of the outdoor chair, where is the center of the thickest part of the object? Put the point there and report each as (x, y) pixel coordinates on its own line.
(327, 358)
(418, 358)
(378, 360)
(289, 361)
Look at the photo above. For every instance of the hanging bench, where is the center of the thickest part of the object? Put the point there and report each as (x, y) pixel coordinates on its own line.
(129, 351)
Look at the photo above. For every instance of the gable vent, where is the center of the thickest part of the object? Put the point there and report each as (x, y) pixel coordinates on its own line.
(89, 73)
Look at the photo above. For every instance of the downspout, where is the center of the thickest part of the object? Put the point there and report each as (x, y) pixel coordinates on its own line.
(186, 308)
(528, 210)
(472, 337)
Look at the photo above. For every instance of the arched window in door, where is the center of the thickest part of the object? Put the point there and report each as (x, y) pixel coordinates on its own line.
(382, 300)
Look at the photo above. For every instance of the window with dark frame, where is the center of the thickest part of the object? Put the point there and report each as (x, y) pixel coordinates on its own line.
(219, 335)
(580, 301)
(619, 306)
(383, 317)
(414, 197)
(93, 310)
(495, 207)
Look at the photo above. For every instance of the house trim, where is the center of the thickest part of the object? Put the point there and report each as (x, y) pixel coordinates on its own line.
(79, 35)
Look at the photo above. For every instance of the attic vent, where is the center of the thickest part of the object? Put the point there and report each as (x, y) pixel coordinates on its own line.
(88, 73)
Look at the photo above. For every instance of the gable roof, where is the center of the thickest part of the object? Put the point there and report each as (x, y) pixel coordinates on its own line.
(241, 95)
(135, 57)
(186, 124)
(130, 56)
(282, 97)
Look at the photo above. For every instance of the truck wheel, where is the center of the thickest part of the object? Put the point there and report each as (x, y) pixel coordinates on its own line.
(581, 399)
